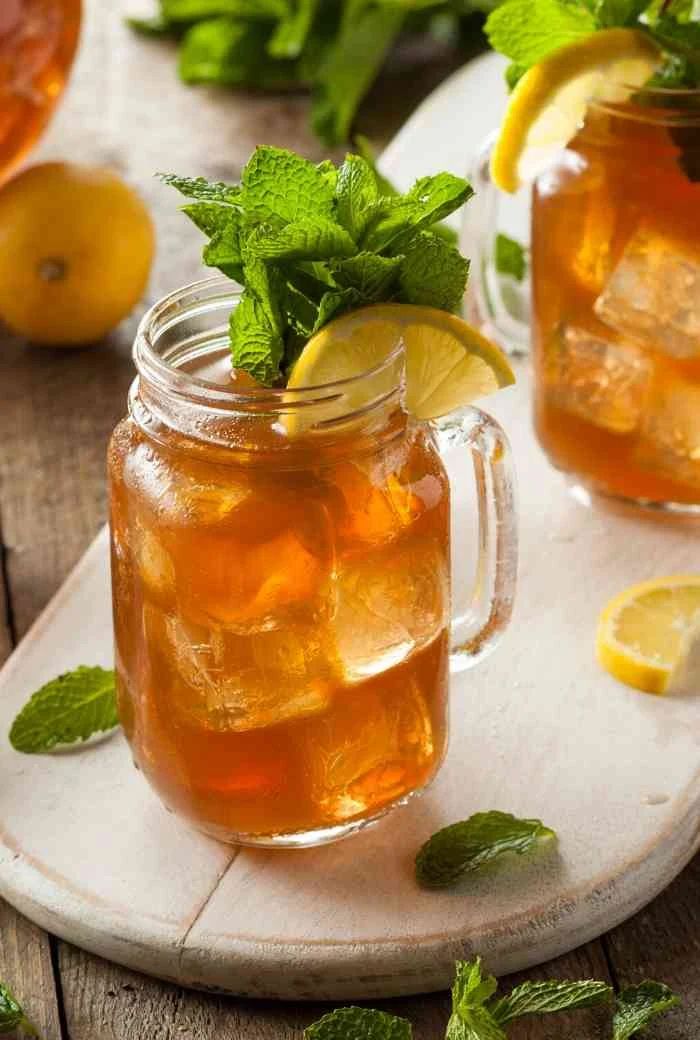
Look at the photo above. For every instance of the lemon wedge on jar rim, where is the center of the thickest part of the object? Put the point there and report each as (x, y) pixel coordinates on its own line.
(448, 363)
(549, 101)
(649, 635)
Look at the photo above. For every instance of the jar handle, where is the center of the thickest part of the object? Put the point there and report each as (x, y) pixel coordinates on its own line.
(486, 304)
(478, 629)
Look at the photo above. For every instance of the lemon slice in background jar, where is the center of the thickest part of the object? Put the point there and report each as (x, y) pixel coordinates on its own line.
(548, 104)
(648, 635)
(448, 363)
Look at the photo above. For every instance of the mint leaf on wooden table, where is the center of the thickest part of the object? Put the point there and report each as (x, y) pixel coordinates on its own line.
(509, 257)
(544, 998)
(637, 1006)
(309, 242)
(354, 1023)
(464, 847)
(12, 1016)
(66, 710)
(470, 1018)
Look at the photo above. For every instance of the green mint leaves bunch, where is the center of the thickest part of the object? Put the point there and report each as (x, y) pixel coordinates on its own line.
(334, 47)
(311, 241)
(478, 1013)
(526, 31)
(12, 1016)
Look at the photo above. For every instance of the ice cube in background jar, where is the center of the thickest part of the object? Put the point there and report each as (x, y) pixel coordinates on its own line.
(653, 294)
(389, 602)
(669, 441)
(602, 381)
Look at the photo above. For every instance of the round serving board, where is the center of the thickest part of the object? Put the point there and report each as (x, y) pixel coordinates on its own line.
(538, 729)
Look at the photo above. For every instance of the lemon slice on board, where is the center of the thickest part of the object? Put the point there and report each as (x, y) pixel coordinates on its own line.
(647, 633)
(548, 103)
(448, 363)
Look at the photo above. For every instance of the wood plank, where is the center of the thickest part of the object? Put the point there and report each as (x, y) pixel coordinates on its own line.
(663, 943)
(25, 966)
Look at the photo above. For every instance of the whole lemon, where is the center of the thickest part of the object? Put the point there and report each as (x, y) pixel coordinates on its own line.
(76, 247)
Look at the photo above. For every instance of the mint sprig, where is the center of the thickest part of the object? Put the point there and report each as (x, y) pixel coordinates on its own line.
(309, 242)
(509, 257)
(355, 1023)
(637, 1006)
(461, 848)
(66, 710)
(12, 1016)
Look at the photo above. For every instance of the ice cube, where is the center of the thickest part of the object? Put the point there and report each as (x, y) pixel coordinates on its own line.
(604, 382)
(653, 294)
(389, 602)
(368, 749)
(669, 441)
(233, 682)
(373, 502)
(154, 563)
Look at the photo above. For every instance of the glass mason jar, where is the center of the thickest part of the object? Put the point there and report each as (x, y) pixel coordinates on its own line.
(281, 581)
(38, 39)
(615, 314)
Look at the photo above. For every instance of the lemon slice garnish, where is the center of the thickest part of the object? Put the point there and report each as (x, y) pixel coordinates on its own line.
(448, 363)
(645, 633)
(548, 104)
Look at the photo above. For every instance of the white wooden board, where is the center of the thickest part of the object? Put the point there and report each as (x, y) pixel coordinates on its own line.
(88, 853)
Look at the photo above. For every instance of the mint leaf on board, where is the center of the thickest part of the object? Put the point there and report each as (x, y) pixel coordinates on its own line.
(12, 1016)
(461, 848)
(637, 1006)
(365, 34)
(527, 30)
(354, 1023)
(509, 257)
(543, 998)
(433, 273)
(66, 710)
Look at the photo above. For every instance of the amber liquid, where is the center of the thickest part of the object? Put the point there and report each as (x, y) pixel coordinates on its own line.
(37, 44)
(281, 625)
(616, 280)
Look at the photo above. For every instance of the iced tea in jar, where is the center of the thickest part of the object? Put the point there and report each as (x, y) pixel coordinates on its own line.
(281, 577)
(38, 39)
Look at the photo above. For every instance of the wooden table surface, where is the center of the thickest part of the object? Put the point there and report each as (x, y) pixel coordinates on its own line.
(57, 408)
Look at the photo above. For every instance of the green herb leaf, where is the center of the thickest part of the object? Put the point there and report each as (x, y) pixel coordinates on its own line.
(434, 273)
(356, 193)
(12, 1016)
(527, 30)
(223, 251)
(279, 187)
(637, 1006)
(366, 152)
(209, 217)
(232, 52)
(543, 998)
(509, 257)
(354, 1023)
(201, 189)
(470, 1019)
(195, 10)
(156, 26)
(611, 13)
(293, 30)
(335, 303)
(374, 277)
(66, 710)
(366, 32)
(514, 73)
(397, 219)
(319, 239)
(256, 345)
(461, 848)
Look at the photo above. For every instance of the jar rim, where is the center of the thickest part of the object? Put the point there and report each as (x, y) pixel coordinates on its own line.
(196, 298)
(667, 106)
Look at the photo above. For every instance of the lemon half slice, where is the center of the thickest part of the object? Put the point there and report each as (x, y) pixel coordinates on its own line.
(448, 363)
(645, 633)
(549, 102)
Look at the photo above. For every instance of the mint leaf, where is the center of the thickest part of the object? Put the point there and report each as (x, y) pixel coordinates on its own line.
(366, 152)
(514, 73)
(320, 239)
(637, 1006)
(543, 998)
(509, 257)
(155, 26)
(201, 189)
(293, 30)
(279, 187)
(366, 32)
(433, 273)
(66, 710)
(463, 847)
(232, 52)
(430, 199)
(527, 30)
(374, 277)
(193, 10)
(356, 193)
(12, 1016)
(335, 303)
(354, 1023)
(256, 346)
(470, 1019)
(612, 13)
(209, 217)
